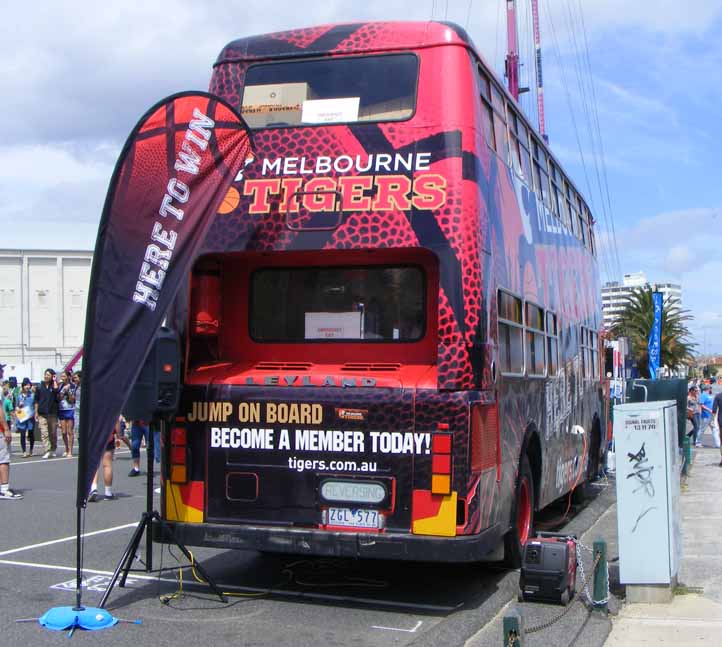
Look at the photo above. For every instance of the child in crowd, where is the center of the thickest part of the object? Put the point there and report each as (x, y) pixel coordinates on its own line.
(66, 411)
(25, 417)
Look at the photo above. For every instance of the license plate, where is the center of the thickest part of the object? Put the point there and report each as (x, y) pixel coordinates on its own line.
(353, 518)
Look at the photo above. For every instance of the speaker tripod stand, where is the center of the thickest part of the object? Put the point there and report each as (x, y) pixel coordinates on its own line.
(145, 525)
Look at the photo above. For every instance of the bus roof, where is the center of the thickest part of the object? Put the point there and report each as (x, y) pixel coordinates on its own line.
(364, 37)
(345, 38)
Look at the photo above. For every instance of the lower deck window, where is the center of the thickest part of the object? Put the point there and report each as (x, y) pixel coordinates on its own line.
(345, 303)
(535, 353)
(510, 349)
(511, 344)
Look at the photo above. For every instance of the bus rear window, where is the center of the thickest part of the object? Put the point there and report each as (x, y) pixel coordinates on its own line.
(331, 90)
(359, 304)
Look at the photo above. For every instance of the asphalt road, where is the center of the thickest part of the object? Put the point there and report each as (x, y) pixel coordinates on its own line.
(312, 602)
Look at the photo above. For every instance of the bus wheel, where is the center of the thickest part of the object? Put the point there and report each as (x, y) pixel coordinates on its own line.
(581, 493)
(595, 448)
(522, 515)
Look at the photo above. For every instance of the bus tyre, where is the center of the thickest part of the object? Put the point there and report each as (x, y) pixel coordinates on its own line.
(580, 493)
(522, 515)
(595, 450)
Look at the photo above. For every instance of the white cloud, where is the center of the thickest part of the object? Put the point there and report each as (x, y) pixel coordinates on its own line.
(679, 259)
(699, 228)
(50, 166)
(665, 17)
(54, 194)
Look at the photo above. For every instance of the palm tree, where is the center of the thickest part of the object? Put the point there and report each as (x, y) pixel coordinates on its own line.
(635, 323)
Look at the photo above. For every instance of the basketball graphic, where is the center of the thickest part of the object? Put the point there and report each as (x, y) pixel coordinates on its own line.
(230, 202)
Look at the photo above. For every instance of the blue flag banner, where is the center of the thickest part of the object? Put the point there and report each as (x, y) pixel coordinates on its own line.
(655, 336)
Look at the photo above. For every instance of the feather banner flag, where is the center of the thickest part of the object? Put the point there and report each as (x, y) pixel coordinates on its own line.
(168, 183)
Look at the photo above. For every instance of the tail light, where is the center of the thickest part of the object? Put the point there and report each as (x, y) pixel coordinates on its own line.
(178, 455)
(205, 303)
(485, 439)
(441, 461)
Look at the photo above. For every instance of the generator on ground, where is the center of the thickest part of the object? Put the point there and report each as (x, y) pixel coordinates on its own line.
(549, 568)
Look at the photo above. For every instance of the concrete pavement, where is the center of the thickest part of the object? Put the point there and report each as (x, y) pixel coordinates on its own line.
(694, 617)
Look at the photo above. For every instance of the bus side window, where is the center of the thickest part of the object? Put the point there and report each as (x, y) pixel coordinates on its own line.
(534, 329)
(511, 349)
(588, 229)
(514, 141)
(557, 192)
(519, 144)
(573, 213)
(523, 133)
(564, 200)
(487, 113)
(582, 224)
(590, 353)
(541, 174)
(552, 343)
(500, 135)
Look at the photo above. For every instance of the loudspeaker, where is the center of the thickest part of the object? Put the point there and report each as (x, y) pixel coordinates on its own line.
(157, 389)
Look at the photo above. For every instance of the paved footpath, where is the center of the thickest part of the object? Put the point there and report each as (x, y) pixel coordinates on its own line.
(694, 617)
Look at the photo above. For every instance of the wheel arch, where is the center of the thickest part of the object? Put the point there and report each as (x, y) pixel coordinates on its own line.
(532, 448)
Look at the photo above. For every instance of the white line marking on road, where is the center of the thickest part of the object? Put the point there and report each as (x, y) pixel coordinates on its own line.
(64, 539)
(40, 461)
(408, 631)
(92, 571)
(135, 576)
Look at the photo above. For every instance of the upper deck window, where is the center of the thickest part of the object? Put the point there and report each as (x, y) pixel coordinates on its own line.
(519, 145)
(541, 174)
(343, 303)
(493, 115)
(331, 90)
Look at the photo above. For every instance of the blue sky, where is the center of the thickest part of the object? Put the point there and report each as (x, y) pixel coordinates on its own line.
(77, 76)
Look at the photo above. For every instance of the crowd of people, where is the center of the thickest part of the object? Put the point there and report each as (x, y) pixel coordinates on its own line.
(704, 412)
(37, 411)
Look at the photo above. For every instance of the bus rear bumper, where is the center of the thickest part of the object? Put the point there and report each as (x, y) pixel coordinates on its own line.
(305, 541)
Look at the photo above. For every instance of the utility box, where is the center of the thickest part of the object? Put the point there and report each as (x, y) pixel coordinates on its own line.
(648, 490)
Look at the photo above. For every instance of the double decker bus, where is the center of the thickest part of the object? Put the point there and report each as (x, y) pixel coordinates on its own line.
(391, 338)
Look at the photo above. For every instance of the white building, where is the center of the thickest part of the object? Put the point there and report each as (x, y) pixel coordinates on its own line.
(614, 294)
(43, 295)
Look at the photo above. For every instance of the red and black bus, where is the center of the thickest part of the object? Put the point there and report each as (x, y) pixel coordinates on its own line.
(391, 338)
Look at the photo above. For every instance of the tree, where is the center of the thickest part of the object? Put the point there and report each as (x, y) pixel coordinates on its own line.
(635, 323)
